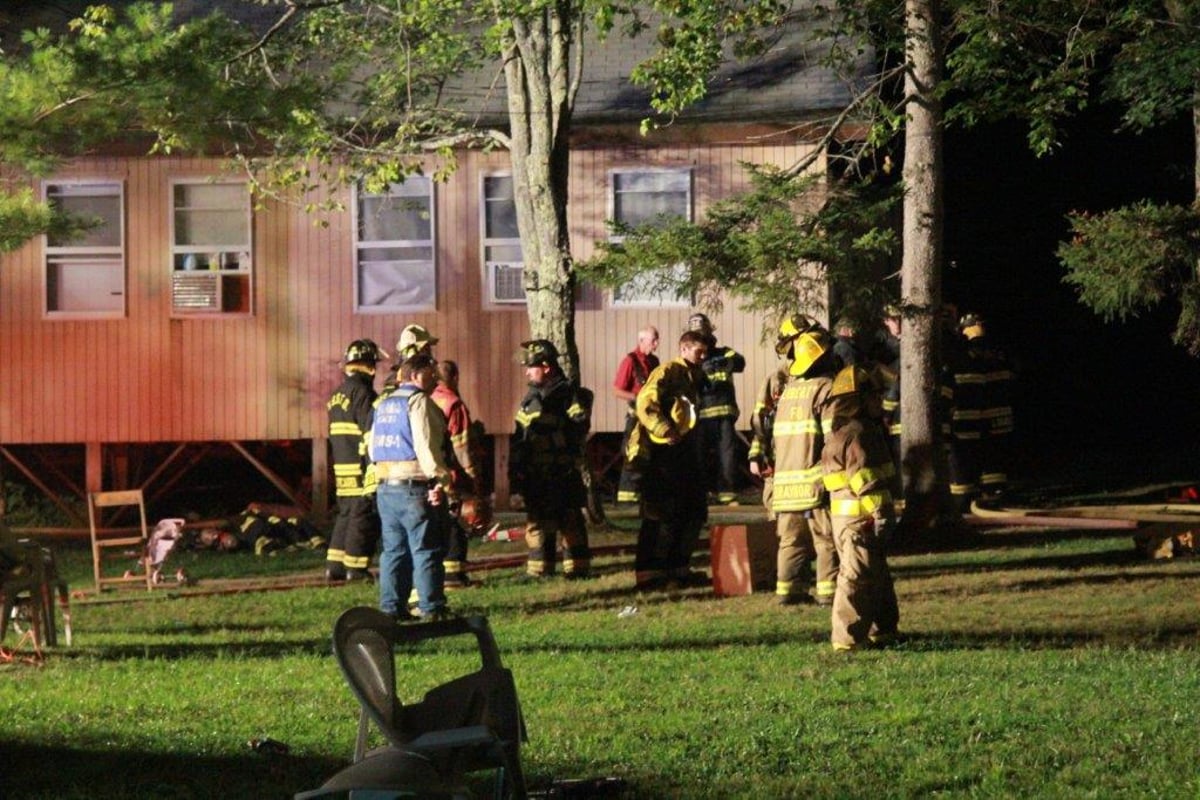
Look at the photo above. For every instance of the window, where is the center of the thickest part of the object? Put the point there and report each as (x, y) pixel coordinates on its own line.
(211, 268)
(503, 260)
(644, 197)
(394, 248)
(85, 275)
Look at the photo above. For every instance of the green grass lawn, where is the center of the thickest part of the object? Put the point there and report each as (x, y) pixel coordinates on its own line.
(1037, 664)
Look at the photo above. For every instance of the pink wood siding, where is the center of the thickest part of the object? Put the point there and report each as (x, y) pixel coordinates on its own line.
(150, 377)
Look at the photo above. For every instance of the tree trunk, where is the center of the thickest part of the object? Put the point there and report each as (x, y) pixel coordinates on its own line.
(920, 273)
(540, 102)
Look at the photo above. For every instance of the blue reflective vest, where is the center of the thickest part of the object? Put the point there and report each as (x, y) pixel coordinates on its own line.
(391, 435)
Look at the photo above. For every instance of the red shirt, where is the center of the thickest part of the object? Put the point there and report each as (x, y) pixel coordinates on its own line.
(633, 370)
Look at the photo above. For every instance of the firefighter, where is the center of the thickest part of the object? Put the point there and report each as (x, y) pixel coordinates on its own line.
(546, 460)
(859, 476)
(356, 528)
(718, 408)
(886, 353)
(668, 450)
(762, 420)
(845, 342)
(464, 459)
(798, 497)
(414, 339)
(978, 388)
(632, 373)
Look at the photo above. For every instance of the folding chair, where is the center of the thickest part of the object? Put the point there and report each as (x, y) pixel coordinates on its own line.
(105, 538)
(469, 724)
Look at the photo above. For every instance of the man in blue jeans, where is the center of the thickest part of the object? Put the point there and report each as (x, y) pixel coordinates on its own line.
(407, 443)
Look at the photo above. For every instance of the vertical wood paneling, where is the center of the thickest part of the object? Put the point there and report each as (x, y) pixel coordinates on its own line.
(149, 377)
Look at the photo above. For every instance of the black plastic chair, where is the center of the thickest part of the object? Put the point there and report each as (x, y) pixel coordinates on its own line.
(469, 724)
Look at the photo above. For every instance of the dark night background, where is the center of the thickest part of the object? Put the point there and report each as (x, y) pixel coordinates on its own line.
(1114, 398)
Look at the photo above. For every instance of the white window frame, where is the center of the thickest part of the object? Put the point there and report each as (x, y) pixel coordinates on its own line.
(400, 190)
(492, 269)
(647, 298)
(58, 259)
(208, 278)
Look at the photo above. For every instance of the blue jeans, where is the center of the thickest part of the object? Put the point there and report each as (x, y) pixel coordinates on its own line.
(414, 544)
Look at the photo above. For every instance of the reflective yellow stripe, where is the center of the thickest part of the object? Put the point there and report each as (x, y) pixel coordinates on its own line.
(344, 429)
(627, 496)
(826, 588)
(810, 475)
(835, 481)
(989, 478)
(963, 488)
(862, 506)
(896, 429)
(357, 562)
(868, 475)
(970, 377)
(523, 418)
(716, 411)
(796, 427)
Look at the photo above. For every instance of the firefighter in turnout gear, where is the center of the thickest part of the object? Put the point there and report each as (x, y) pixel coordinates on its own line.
(718, 408)
(762, 420)
(464, 459)
(977, 388)
(886, 353)
(546, 460)
(356, 528)
(632, 373)
(859, 476)
(667, 448)
(799, 500)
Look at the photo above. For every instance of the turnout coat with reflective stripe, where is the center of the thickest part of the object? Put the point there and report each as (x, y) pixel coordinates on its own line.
(718, 398)
(349, 410)
(798, 436)
(859, 472)
(546, 453)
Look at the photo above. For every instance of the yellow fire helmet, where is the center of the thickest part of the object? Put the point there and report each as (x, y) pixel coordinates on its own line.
(807, 350)
(683, 414)
(790, 329)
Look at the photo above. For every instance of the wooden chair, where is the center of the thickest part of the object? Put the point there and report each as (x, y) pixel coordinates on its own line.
(105, 538)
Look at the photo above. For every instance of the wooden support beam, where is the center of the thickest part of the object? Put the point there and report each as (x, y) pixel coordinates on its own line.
(278, 482)
(320, 478)
(42, 487)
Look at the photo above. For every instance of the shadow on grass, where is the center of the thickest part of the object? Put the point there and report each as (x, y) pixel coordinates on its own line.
(1061, 561)
(42, 771)
(215, 650)
(1167, 637)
